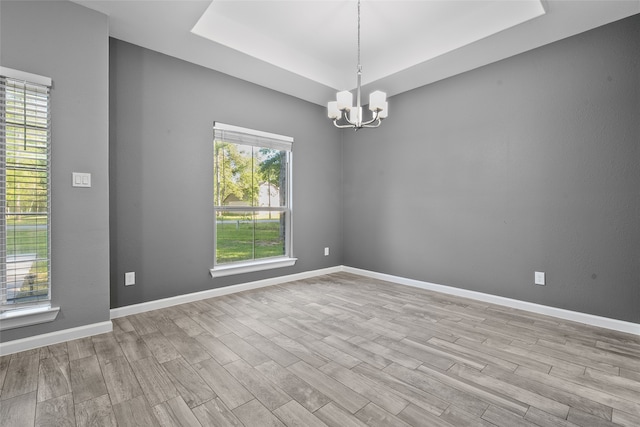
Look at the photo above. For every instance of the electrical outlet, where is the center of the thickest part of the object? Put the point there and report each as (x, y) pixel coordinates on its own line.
(130, 278)
(539, 278)
(326, 251)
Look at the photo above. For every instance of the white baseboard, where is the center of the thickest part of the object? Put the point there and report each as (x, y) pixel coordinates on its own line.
(36, 341)
(196, 296)
(575, 316)
(57, 337)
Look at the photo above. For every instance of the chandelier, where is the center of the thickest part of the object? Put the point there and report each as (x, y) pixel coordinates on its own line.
(345, 115)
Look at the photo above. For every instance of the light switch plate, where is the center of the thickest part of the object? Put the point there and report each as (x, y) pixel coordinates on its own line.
(81, 179)
(539, 278)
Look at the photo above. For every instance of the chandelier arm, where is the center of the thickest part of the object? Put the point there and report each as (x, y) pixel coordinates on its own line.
(375, 125)
(335, 122)
(373, 119)
(345, 117)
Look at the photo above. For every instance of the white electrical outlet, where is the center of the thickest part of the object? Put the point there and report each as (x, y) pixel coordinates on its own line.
(539, 278)
(326, 251)
(130, 278)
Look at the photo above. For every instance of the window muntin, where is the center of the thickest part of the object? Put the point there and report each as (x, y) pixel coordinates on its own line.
(24, 189)
(252, 197)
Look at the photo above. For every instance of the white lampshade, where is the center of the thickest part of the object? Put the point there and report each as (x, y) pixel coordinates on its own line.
(355, 115)
(332, 110)
(377, 100)
(384, 112)
(345, 100)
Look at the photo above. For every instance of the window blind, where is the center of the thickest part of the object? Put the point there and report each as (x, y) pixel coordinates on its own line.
(24, 189)
(245, 136)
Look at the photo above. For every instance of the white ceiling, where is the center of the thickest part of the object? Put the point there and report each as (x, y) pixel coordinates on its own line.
(318, 39)
(308, 48)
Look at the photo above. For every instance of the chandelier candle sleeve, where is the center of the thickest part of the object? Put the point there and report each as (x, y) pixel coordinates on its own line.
(377, 100)
(345, 100)
(332, 110)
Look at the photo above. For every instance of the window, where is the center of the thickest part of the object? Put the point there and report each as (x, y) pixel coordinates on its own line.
(24, 193)
(252, 200)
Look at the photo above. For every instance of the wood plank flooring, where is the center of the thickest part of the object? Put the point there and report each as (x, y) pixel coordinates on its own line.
(337, 350)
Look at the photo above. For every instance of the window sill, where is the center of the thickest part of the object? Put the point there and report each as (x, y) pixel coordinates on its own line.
(249, 267)
(28, 316)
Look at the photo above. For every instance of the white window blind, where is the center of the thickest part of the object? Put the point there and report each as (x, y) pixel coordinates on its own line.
(25, 191)
(255, 138)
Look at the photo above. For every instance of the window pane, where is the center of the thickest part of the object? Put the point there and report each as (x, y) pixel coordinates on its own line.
(235, 182)
(235, 233)
(270, 234)
(245, 175)
(272, 170)
(246, 235)
(27, 255)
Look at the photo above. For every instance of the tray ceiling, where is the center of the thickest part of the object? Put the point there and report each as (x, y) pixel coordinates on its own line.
(308, 48)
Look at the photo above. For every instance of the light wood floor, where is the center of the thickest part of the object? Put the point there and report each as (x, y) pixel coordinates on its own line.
(338, 350)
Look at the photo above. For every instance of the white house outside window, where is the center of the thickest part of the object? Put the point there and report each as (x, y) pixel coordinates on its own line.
(252, 200)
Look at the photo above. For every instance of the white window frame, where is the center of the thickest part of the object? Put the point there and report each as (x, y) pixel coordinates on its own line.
(286, 144)
(23, 314)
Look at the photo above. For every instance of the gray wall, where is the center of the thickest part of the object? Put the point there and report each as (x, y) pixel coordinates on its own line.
(532, 163)
(161, 160)
(69, 43)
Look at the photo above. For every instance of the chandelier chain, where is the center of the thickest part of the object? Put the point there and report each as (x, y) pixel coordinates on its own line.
(359, 66)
